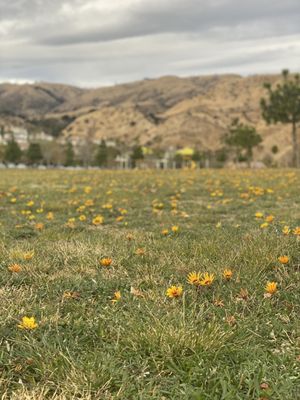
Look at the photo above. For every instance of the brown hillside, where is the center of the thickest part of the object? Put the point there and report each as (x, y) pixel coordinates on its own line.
(168, 111)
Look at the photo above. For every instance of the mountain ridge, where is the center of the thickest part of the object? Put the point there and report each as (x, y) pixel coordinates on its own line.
(163, 112)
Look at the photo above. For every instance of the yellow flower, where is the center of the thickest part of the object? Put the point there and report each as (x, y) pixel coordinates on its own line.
(106, 262)
(50, 216)
(286, 230)
(87, 189)
(15, 268)
(98, 220)
(207, 279)
(28, 255)
(264, 225)
(30, 203)
(296, 231)
(129, 236)
(283, 259)
(119, 218)
(271, 287)
(193, 278)
(218, 225)
(175, 228)
(117, 297)
(227, 274)
(71, 295)
(28, 323)
(165, 232)
(82, 218)
(174, 291)
(89, 203)
(259, 214)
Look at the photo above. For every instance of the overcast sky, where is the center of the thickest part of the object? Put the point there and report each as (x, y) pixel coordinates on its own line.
(103, 42)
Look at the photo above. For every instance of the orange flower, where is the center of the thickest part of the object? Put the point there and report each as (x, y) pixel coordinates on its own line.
(106, 262)
(15, 268)
(140, 252)
(271, 287)
(39, 226)
(283, 259)
(270, 218)
(296, 231)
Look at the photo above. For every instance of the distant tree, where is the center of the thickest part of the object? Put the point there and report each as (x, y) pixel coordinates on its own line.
(12, 153)
(102, 154)
(275, 149)
(196, 156)
(53, 152)
(137, 154)
(69, 155)
(283, 105)
(34, 153)
(221, 155)
(178, 159)
(87, 148)
(242, 137)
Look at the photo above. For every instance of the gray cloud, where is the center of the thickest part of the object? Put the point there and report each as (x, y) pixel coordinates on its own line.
(93, 42)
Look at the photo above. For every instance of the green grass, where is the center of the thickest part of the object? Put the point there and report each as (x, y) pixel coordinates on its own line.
(208, 344)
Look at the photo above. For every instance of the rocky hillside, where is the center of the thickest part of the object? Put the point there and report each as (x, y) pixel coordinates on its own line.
(168, 111)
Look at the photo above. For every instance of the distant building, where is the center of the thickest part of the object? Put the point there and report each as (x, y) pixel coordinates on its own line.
(22, 136)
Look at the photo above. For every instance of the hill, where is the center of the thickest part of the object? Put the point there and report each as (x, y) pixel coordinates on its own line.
(168, 111)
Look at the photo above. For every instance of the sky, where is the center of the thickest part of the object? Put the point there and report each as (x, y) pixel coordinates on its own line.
(92, 43)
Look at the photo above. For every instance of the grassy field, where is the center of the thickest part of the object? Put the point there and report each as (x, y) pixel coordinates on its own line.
(91, 256)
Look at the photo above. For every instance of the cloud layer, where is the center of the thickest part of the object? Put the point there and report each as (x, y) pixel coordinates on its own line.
(99, 42)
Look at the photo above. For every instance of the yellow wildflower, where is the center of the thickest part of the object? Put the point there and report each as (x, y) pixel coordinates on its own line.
(264, 225)
(28, 255)
(98, 220)
(174, 291)
(286, 230)
(227, 274)
(28, 323)
(117, 297)
(193, 278)
(259, 214)
(271, 287)
(207, 279)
